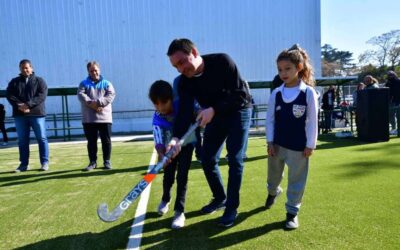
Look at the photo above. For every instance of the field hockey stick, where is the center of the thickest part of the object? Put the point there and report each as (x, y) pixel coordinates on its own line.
(102, 210)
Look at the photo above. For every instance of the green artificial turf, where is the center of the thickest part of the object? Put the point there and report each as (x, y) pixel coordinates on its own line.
(351, 201)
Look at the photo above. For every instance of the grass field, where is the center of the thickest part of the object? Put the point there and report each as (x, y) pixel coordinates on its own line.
(351, 201)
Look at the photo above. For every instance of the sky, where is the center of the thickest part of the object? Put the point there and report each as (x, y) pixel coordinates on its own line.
(349, 24)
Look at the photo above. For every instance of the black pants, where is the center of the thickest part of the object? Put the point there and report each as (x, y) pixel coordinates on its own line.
(92, 131)
(198, 147)
(182, 164)
(3, 131)
(328, 119)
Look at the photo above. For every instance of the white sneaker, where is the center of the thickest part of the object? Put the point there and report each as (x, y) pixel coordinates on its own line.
(393, 132)
(163, 208)
(178, 221)
(292, 222)
(4, 144)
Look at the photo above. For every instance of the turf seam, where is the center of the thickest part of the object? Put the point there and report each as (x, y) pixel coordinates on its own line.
(135, 236)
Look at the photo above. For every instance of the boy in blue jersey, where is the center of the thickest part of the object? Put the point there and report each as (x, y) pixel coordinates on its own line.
(166, 105)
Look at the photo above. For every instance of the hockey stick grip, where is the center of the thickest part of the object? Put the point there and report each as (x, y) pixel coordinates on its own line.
(181, 142)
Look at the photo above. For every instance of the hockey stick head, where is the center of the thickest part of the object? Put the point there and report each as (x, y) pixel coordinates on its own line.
(104, 215)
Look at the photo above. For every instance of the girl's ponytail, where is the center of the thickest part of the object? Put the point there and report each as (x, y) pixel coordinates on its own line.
(297, 56)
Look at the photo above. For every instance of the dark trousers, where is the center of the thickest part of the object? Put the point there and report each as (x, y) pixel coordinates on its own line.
(199, 143)
(92, 132)
(234, 128)
(3, 131)
(181, 165)
(328, 119)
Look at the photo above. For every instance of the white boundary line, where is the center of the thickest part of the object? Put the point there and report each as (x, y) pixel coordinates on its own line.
(135, 237)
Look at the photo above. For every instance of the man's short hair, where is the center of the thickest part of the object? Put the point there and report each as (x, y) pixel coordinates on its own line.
(391, 73)
(160, 91)
(181, 44)
(92, 63)
(25, 61)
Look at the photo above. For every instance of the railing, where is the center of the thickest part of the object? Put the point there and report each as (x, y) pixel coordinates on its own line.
(57, 123)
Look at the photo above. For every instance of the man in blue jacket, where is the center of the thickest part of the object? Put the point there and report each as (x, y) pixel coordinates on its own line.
(27, 94)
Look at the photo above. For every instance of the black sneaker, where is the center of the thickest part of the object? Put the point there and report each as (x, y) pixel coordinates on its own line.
(92, 165)
(21, 168)
(213, 206)
(292, 222)
(228, 218)
(271, 199)
(107, 165)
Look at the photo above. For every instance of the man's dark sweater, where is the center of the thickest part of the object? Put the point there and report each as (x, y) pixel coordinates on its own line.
(219, 86)
(394, 86)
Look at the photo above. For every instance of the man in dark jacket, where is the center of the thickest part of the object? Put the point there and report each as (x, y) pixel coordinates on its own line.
(328, 100)
(393, 83)
(27, 94)
(214, 81)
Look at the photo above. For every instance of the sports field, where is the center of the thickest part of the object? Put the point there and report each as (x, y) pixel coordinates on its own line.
(351, 201)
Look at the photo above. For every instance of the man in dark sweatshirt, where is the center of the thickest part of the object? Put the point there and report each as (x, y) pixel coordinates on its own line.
(27, 94)
(214, 81)
(393, 83)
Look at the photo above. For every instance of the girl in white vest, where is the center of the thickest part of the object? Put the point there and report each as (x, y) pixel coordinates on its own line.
(291, 130)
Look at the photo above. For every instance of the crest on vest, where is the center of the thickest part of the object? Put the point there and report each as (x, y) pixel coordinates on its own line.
(298, 110)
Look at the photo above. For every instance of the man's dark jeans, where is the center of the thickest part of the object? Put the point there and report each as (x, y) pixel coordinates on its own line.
(234, 128)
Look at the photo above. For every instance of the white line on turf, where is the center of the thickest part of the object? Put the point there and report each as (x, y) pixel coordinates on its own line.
(135, 237)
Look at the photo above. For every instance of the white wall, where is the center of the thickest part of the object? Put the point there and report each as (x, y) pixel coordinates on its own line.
(130, 39)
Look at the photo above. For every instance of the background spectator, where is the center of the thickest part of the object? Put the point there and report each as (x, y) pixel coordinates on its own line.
(370, 82)
(27, 94)
(96, 95)
(328, 100)
(2, 125)
(393, 83)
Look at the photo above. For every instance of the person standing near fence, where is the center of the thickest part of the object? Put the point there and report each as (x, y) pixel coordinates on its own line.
(371, 82)
(2, 125)
(96, 95)
(27, 94)
(393, 83)
(291, 130)
(328, 101)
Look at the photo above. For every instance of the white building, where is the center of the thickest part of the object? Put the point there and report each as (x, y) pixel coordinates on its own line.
(129, 38)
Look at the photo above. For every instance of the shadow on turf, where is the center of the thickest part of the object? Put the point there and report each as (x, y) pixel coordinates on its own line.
(364, 168)
(33, 175)
(330, 141)
(27, 177)
(113, 238)
(204, 234)
(333, 142)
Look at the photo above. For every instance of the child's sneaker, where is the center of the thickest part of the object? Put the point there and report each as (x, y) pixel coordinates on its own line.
(292, 222)
(21, 168)
(163, 208)
(44, 167)
(179, 220)
(272, 198)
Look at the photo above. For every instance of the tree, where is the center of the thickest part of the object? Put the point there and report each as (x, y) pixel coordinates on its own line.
(388, 51)
(335, 62)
